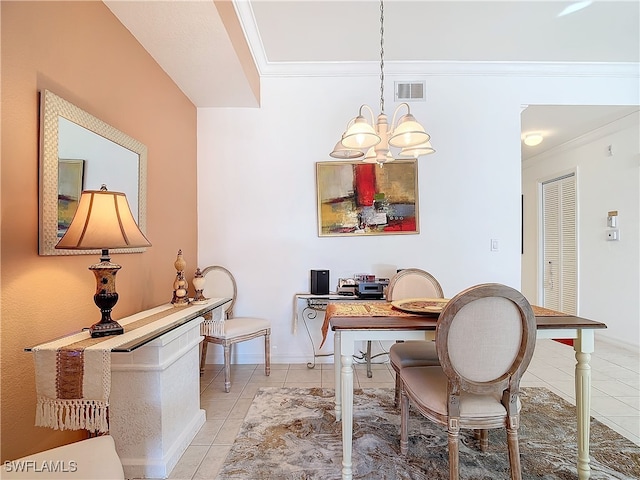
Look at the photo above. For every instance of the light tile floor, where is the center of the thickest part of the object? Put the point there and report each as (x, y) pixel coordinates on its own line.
(615, 397)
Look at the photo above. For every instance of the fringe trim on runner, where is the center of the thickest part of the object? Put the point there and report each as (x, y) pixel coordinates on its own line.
(74, 414)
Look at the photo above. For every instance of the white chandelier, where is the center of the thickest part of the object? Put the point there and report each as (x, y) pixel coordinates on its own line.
(373, 139)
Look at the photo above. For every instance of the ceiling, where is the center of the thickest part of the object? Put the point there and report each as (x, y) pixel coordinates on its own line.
(192, 39)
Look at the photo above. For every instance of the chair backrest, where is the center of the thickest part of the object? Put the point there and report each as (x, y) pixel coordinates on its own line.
(220, 283)
(413, 283)
(485, 339)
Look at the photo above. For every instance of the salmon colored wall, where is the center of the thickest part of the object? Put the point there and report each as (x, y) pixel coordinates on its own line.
(82, 53)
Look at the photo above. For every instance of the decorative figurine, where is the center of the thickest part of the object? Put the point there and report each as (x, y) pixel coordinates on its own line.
(198, 284)
(180, 285)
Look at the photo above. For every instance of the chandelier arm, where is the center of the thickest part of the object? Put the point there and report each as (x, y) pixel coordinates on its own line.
(393, 125)
(373, 118)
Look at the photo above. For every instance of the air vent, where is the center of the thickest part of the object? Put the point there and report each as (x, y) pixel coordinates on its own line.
(410, 91)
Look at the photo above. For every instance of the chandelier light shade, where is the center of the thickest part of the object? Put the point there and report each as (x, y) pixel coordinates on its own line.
(360, 135)
(103, 221)
(408, 133)
(340, 151)
(418, 150)
(372, 139)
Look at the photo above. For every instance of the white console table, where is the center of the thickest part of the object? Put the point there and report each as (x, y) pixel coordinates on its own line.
(154, 403)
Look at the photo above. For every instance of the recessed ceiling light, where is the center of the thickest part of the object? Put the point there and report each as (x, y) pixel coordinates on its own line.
(533, 139)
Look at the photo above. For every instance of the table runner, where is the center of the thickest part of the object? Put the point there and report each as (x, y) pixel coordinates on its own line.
(73, 374)
(213, 323)
(388, 310)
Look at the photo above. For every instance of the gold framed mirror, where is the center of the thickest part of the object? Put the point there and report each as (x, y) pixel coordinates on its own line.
(81, 152)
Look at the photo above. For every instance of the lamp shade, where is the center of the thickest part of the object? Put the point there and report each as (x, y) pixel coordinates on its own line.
(422, 149)
(377, 157)
(360, 135)
(408, 133)
(340, 151)
(103, 220)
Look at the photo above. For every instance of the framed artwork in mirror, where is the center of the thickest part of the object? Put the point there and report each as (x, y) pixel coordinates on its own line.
(358, 199)
(81, 152)
(70, 181)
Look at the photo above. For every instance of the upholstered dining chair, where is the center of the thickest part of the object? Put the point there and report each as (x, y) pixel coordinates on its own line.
(220, 283)
(485, 338)
(412, 283)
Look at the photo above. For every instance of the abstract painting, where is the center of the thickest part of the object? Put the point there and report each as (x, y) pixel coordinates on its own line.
(357, 198)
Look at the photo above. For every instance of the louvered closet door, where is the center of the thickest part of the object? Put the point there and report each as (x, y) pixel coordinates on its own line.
(559, 238)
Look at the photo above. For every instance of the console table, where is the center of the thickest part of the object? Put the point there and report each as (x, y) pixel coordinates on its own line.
(154, 402)
(307, 306)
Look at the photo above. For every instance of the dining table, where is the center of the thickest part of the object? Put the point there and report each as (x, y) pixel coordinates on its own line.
(357, 322)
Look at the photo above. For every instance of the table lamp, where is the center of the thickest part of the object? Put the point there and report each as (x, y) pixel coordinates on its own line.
(102, 221)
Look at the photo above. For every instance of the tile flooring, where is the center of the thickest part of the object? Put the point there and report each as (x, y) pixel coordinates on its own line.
(615, 397)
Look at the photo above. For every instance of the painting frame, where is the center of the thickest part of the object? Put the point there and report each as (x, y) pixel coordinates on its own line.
(355, 198)
(70, 186)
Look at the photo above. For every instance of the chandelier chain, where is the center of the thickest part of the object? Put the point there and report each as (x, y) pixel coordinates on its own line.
(381, 56)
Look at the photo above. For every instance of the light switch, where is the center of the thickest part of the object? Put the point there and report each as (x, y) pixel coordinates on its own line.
(613, 235)
(495, 245)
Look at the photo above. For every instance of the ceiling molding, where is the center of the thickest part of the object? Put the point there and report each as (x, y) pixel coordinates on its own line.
(266, 68)
(509, 69)
(610, 128)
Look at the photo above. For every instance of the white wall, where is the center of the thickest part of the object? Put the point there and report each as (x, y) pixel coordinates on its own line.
(608, 272)
(256, 188)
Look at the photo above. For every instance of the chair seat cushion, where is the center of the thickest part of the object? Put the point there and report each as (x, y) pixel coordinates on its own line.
(413, 353)
(239, 326)
(429, 384)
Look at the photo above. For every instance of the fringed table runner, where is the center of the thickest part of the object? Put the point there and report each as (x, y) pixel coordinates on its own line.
(381, 309)
(547, 312)
(73, 374)
(373, 309)
(213, 324)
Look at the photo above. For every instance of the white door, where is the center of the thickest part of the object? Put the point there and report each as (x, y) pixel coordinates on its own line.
(559, 244)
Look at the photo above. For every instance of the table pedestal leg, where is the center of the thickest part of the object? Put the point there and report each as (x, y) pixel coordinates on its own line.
(347, 418)
(583, 346)
(337, 365)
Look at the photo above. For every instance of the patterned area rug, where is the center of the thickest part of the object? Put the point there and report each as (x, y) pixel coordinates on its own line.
(291, 433)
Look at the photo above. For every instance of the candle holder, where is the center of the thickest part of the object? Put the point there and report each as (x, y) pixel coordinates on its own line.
(198, 284)
(180, 286)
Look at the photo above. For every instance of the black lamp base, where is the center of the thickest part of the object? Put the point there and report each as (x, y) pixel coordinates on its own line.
(105, 329)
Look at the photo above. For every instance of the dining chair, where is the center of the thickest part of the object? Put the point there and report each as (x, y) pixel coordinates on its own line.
(412, 283)
(485, 338)
(229, 330)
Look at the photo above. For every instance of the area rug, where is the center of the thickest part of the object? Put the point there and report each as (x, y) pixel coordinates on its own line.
(291, 433)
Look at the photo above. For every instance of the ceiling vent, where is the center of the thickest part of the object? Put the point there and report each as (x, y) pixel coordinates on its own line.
(410, 91)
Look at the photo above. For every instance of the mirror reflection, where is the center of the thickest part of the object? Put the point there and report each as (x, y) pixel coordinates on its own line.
(80, 152)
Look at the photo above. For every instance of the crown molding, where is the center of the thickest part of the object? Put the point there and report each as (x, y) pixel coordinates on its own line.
(514, 69)
(449, 68)
(623, 123)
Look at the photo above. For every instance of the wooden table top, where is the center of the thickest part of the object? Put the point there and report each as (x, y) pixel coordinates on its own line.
(340, 318)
